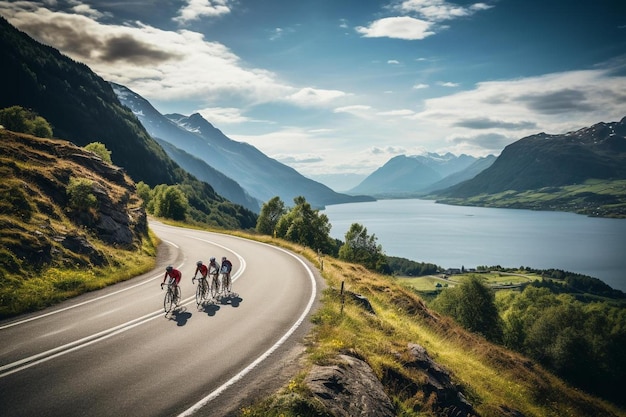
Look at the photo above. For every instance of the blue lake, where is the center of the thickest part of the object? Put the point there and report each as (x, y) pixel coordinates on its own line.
(456, 236)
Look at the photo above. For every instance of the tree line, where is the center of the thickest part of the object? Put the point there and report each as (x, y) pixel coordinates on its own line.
(582, 342)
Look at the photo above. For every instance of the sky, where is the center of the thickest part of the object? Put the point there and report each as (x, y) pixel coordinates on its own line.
(336, 88)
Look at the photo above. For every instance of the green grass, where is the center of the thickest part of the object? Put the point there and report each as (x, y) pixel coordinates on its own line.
(429, 283)
(489, 375)
(26, 293)
(600, 198)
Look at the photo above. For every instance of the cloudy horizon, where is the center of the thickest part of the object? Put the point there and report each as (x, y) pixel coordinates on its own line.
(340, 87)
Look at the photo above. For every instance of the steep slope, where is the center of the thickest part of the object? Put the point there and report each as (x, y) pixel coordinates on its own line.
(543, 160)
(409, 175)
(82, 108)
(262, 177)
(42, 226)
(223, 185)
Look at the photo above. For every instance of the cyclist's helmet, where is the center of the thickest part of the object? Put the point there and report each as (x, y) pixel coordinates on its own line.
(212, 259)
(199, 263)
(169, 268)
(223, 258)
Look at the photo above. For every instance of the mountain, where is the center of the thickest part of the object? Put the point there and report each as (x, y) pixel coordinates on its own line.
(262, 177)
(543, 160)
(410, 175)
(82, 108)
(223, 185)
(468, 173)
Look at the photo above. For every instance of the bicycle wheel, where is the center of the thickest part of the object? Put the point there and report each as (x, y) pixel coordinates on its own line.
(215, 287)
(168, 301)
(199, 292)
(227, 283)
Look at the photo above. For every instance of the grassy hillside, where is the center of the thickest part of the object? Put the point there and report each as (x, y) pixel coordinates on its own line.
(582, 172)
(52, 249)
(82, 108)
(496, 381)
(601, 198)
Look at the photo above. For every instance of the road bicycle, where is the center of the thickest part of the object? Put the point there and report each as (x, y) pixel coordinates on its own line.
(227, 283)
(172, 297)
(202, 290)
(215, 284)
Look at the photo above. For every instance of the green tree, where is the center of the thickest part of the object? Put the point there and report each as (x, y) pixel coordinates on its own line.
(144, 192)
(18, 119)
(41, 127)
(80, 192)
(101, 150)
(361, 248)
(306, 226)
(169, 202)
(271, 212)
(472, 304)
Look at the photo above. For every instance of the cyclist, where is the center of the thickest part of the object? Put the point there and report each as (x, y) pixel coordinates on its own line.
(174, 275)
(227, 266)
(214, 267)
(200, 267)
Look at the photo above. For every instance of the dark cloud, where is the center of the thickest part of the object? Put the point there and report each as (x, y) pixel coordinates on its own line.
(486, 123)
(487, 141)
(127, 48)
(563, 101)
(75, 41)
(70, 39)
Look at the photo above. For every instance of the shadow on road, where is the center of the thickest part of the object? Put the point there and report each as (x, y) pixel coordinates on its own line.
(233, 299)
(210, 309)
(180, 315)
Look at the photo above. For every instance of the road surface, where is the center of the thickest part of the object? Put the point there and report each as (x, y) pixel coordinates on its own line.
(115, 353)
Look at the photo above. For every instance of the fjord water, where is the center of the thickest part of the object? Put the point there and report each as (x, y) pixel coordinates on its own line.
(461, 236)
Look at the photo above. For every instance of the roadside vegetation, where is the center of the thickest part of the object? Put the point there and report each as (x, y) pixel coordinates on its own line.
(597, 198)
(531, 346)
(492, 377)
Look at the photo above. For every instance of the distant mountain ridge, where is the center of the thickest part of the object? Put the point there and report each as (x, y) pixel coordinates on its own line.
(259, 175)
(412, 175)
(82, 108)
(544, 160)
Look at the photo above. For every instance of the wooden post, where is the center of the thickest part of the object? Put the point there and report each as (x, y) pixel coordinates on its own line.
(342, 297)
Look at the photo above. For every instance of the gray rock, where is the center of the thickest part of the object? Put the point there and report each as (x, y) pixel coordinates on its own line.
(350, 389)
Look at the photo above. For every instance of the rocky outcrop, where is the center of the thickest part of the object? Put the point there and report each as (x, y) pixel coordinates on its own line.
(444, 395)
(349, 389)
(41, 227)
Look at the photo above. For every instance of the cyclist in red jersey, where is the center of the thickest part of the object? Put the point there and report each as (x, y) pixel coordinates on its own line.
(200, 267)
(174, 274)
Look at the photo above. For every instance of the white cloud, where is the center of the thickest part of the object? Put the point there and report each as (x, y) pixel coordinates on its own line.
(440, 10)
(314, 97)
(420, 86)
(195, 9)
(393, 61)
(401, 27)
(400, 113)
(447, 84)
(358, 110)
(553, 103)
(223, 115)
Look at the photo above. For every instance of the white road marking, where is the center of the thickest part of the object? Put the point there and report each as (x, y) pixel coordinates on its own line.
(40, 316)
(197, 406)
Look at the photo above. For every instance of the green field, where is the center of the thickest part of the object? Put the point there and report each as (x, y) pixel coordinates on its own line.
(496, 279)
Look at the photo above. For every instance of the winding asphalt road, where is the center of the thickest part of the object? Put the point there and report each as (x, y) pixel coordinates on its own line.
(115, 353)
